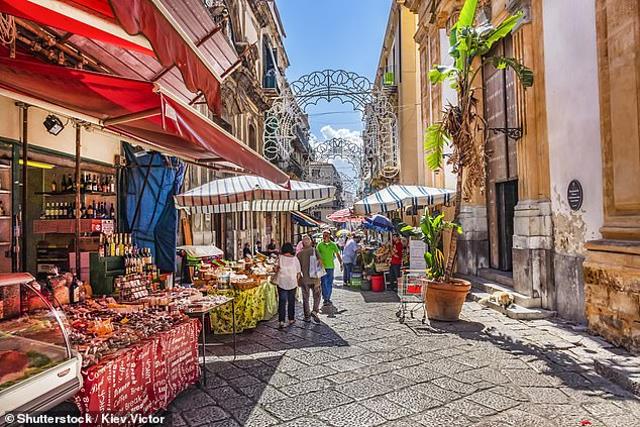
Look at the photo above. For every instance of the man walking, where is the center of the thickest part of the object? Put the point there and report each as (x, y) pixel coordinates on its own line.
(309, 284)
(349, 258)
(328, 250)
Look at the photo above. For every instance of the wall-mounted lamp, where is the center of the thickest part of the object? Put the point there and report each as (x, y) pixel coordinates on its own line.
(34, 164)
(53, 124)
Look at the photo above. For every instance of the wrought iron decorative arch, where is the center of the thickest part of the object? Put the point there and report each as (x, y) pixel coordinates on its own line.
(287, 119)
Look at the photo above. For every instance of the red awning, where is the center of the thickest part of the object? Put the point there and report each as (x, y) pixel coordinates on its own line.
(135, 108)
(168, 40)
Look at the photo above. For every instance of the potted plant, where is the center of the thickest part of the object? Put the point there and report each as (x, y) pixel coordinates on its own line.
(462, 128)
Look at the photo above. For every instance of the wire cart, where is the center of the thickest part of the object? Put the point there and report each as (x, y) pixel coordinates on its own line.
(411, 295)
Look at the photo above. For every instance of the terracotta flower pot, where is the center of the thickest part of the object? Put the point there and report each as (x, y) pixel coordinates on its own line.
(444, 300)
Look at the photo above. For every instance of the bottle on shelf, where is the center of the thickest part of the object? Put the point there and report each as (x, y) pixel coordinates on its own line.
(112, 184)
(3, 212)
(112, 212)
(70, 184)
(54, 187)
(63, 184)
(74, 290)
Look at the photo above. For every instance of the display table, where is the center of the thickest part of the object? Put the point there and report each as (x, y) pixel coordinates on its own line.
(251, 307)
(145, 377)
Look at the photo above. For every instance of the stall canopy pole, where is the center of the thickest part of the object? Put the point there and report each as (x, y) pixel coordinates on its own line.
(77, 209)
(251, 238)
(25, 153)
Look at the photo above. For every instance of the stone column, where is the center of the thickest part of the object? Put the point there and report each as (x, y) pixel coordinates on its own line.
(473, 244)
(533, 251)
(533, 230)
(612, 265)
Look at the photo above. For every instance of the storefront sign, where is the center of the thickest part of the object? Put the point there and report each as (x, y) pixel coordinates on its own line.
(575, 195)
(417, 248)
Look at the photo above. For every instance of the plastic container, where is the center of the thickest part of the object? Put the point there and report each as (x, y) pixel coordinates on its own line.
(366, 284)
(377, 283)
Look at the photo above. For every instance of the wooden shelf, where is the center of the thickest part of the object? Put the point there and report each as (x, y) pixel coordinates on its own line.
(68, 226)
(2, 191)
(73, 193)
(5, 243)
(4, 217)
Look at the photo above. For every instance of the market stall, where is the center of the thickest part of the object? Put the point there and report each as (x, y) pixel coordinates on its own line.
(246, 280)
(397, 197)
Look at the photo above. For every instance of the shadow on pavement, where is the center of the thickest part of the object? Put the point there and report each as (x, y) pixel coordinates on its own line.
(554, 367)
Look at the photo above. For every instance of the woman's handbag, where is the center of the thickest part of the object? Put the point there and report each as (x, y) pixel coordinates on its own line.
(316, 270)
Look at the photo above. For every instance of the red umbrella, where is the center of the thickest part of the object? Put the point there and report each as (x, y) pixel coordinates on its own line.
(344, 215)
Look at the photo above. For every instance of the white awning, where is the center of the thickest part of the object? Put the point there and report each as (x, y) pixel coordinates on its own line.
(401, 196)
(251, 193)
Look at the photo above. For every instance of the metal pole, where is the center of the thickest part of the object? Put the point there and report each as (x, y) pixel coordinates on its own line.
(251, 239)
(78, 201)
(25, 157)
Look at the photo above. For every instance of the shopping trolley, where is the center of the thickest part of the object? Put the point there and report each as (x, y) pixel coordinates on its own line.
(411, 295)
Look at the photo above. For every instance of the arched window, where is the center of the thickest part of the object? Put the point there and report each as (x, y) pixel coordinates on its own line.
(253, 137)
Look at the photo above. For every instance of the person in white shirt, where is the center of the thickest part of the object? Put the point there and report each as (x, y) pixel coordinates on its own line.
(289, 274)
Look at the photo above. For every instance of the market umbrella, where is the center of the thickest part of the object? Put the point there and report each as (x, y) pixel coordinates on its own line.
(401, 196)
(344, 215)
(379, 223)
(252, 194)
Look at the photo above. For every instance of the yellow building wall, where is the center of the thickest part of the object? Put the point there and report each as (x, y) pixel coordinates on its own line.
(411, 154)
(96, 144)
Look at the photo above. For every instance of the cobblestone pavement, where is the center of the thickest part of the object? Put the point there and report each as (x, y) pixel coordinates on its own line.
(361, 367)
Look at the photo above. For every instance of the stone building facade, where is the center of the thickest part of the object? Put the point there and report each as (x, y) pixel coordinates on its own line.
(255, 29)
(560, 216)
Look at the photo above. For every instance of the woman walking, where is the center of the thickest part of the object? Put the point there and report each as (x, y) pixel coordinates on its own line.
(308, 256)
(289, 274)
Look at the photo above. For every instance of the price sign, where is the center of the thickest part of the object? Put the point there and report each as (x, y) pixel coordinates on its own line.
(575, 195)
(102, 226)
(417, 249)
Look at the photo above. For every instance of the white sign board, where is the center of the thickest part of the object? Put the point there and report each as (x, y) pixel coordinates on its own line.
(417, 248)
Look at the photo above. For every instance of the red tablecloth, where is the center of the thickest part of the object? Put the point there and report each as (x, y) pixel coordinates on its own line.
(145, 377)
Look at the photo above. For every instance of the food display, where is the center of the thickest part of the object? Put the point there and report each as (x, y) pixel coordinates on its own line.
(98, 331)
(240, 275)
(35, 355)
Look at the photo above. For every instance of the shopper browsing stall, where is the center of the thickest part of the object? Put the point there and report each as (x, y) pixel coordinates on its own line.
(288, 277)
(349, 258)
(397, 251)
(328, 251)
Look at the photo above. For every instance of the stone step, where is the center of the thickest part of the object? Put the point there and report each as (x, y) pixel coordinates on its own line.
(489, 287)
(497, 276)
(514, 311)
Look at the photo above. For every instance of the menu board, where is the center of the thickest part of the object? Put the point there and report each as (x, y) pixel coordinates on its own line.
(417, 248)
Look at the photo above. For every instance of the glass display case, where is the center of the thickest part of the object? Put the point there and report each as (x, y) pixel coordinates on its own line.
(38, 368)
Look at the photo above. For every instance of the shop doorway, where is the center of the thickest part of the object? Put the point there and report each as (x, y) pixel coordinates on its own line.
(501, 151)
(507, 199)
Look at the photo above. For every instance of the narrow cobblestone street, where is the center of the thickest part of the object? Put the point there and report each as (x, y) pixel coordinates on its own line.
(363, 368)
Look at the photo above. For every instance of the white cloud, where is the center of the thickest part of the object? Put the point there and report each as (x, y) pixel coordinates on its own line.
(329, 132)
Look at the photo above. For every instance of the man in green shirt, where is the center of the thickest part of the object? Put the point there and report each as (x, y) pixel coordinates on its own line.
(328, 250)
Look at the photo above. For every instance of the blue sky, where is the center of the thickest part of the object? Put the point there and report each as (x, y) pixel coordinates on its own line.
(333, 34)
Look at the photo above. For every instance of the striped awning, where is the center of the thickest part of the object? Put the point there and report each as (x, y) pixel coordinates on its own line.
(304, 220)
(251, 193)
(401, 196)
(344, 215)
